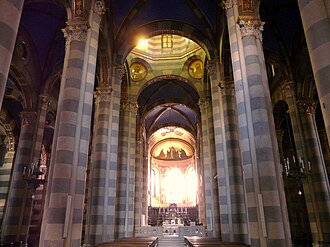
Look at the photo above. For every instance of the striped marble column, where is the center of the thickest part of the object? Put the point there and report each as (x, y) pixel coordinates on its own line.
(64, 203)
(209, 169)
(126, 170)
(318, 177)
(145, 201)
(200, 180)
(288, 93)
(326, 149)
(15, 224)
(10, 15)
(267, 214)
(233, 199)
(139, 178)
(315, 15)
(5, 170)
(101, 210)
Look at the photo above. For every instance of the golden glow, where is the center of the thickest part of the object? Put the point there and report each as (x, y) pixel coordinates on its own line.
(174, 185)
(142, 44)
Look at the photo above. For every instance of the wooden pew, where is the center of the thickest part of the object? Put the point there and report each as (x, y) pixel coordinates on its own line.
(130, 242)
(205, 242)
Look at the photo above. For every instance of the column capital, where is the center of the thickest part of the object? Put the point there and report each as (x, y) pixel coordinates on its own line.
(228, 4)
(251, 25)
(288, 89)
(227, 88)
(307, 106)
(99, 7)
(119, 70)
(103, 94)
(28, 117)
(129, 106)
(204, 103)
(211, 66)
(44, 102)
(75, 31)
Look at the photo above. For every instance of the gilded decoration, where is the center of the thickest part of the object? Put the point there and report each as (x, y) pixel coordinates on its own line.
(307, 106)
(227, 4)
(103, 94)
(75, 32)
(128, 106)
(79, 8)
(196, 69)
(138, 71)
(247, 6)
(251, 26)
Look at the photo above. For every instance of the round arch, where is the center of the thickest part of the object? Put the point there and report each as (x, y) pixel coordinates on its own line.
(130, 40)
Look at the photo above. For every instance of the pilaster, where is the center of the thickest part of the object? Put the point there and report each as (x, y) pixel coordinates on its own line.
(126, 170)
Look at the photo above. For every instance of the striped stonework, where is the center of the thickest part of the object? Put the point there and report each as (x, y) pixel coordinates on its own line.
(139, 179)
(264, 166)
(288, 94)
(6, 168)
(266, 207)
(64, 204)
(208, 162)
(315, 15)
(5, 172)
(102, 188)
(200, 182)
(41, 117)
(126, 170)
(15, 224)
(10, 15)
(217, 142)
(232, 179)
(318, 180)
(326, 149)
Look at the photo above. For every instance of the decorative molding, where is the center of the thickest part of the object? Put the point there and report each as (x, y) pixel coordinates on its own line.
(227, 88)
(119, 70)
(104, 72)
(228, 4)
(76, 32)
(28, 118)
(78, 8)
(307, 106)
(99, 8)
(103, 94)
(204, 103)
(211, 67)
(247, 6)
(251, 26)
(288, 89)
(44, 102)
(128, 106)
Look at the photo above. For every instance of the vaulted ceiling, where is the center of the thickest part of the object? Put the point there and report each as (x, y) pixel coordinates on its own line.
(42, 22)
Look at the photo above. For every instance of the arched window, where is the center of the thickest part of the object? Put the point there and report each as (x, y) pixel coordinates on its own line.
(191, 185)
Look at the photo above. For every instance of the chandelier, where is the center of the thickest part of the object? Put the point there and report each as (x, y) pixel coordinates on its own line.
(35, 174)
(296, 170)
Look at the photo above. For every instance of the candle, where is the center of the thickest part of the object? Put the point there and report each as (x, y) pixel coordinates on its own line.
(309, 166)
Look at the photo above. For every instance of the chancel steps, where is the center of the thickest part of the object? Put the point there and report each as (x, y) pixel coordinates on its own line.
(171, 241)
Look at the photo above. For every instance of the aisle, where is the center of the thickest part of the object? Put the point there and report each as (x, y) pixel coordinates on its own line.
(170, 241)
